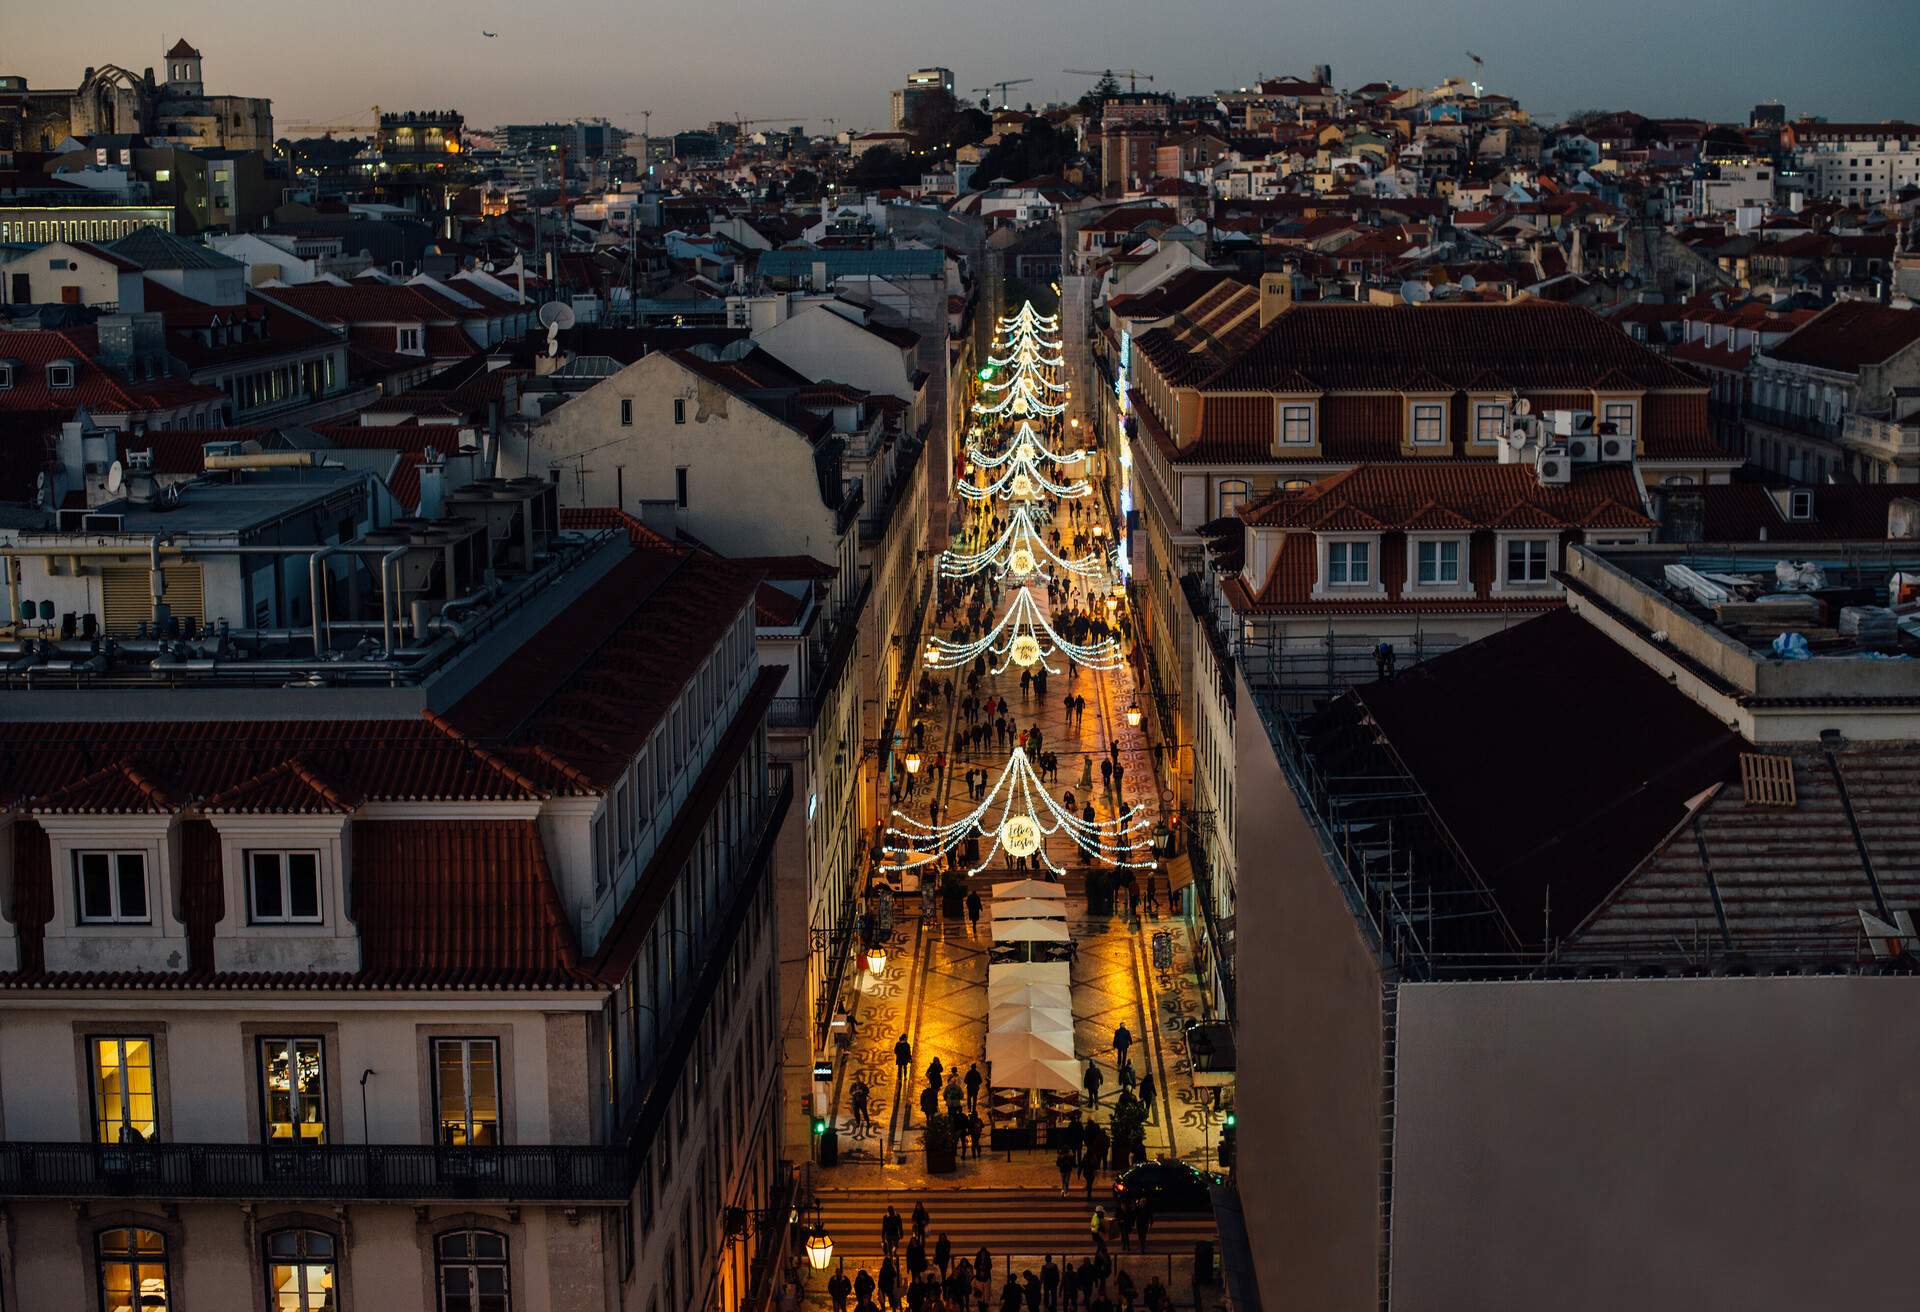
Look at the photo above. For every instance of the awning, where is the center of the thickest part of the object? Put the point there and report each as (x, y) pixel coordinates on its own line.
(1029, 888)
(1031, 1073)
(1005, 1049)
(1029, 908)
(1179, 871)
(1049, 997)
(1021, 1018)
(1029, 931)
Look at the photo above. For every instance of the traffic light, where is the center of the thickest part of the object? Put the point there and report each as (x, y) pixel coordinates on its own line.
(986, 373)
(819, 1126)
(1227, 1137)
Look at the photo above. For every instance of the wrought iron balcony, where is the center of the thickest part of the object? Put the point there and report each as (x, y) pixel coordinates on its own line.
(330, 1173)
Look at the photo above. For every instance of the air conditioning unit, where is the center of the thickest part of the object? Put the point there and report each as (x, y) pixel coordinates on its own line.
(1554, 467)
(1566, 423)
(1583, 448)
(1616, 450)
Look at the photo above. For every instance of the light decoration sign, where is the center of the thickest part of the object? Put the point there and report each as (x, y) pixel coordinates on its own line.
(1020, 551)
(1024, 637)
(1018, 816)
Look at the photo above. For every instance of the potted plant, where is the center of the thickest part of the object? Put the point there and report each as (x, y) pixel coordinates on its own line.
(941, 1139)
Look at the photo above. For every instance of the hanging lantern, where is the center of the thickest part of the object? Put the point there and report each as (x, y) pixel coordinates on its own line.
(913, 763)
(1020, 836)
(819, 1247)
(1099, 530)
(933, 652)
(1025, 650)
(1133, 716)
(876, 961)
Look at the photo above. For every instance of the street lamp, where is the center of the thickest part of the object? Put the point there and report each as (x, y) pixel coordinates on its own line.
(1133, 716)
(1113, 605)
(913, 763)
(876, 961)
(819, 1246)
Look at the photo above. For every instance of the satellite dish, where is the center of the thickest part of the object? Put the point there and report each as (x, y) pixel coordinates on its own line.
(557, 314)
(1523, 406)
(1468, 282)
(1413, 291)
(116, 477)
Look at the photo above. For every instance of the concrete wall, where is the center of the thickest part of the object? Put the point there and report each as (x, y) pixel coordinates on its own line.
(1649, 1144)
(1308, 1090)
(751, 485)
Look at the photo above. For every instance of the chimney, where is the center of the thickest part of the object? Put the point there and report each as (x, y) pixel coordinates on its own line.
(1276, 294)
(433, 485)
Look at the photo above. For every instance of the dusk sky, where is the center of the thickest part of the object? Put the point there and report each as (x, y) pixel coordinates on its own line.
(690, 63)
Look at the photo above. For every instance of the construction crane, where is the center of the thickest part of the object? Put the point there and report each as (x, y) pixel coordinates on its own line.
(740, 123)
(350, 125)
(1010, 82)
(1133, 75)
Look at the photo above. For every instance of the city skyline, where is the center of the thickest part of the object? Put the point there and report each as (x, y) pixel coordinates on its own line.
(543, 70)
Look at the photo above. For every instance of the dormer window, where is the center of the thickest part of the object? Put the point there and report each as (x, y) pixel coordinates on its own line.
(111, 888)
(1622, 415)
(283, 888)
(1296, 425)
(410, 339)
(1349, 564)
(1429, 423)
(6, 375)
(60, 374)
(1489, 421)
(1437, 563)
(1800, 504)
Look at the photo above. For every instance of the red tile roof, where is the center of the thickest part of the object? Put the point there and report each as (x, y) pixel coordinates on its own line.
(1849, 335)
(95, 387)
(1368, 347)
(1480, 492)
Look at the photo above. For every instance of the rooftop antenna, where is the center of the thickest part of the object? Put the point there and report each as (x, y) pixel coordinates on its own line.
(555, 315)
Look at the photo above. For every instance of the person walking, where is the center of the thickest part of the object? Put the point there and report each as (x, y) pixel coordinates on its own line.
(916, 1257)
(1030, 1285)
(934, 1068)
(973, 912)
(1142, 1221)
(943, 1253)
(983, 1267)
(973, 1083)
(903, 1057)
(838, 1287)
(889, 1284)
(891, 1228)
(1122, 1040)
(1091, 1082)
(1064, 1164)
(863, 1286)
(1050, 1285)
(929, 1102)
(974, 1127)
(1146, 1097)
(1088, 1169)
(1010, 1295)
(921, 1220)
(1126, 1076)
(1097, 1224)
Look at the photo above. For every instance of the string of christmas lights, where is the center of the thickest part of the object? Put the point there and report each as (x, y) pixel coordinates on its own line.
(1021, 479)
(1019, 551)
(1024, 637)
(1017, 816)
(1024, 439)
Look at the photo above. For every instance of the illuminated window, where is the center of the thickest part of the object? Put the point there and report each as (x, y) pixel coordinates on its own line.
(1349, 563)
(111, 887)
(1489, 421)
(293, 1087)
(467, 1091)
(133, 1271)
(124, 1108)
(300, 1271)
(1429, 424)
(283, 887)
(472, 1272)
(1233, 495)
(1296, 424)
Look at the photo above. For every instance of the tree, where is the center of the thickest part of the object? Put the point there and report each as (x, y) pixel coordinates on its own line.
(1037, 152)
(1095, 101)
(804, 185)
(883, 167)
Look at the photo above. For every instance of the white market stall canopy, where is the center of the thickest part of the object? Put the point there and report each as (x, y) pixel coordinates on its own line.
(1029, 931)
(1028, 908)
(1037, 1018)
(1053, 997)
(1030, 888)
(1007, 1049)
(1037, 1073)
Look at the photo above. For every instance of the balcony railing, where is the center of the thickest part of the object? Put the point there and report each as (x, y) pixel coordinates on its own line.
(851, 500)
(318, 1173)
(1788, 421)
(828, 663)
